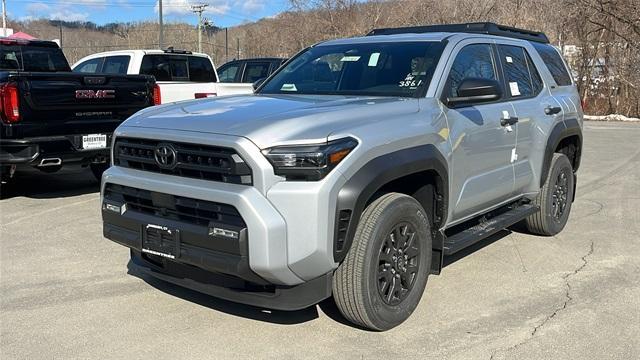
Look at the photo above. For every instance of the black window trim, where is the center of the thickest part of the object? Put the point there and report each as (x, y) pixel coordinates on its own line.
(505, 84)
(497, 69)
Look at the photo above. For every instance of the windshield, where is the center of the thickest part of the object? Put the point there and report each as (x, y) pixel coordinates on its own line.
(377, 69)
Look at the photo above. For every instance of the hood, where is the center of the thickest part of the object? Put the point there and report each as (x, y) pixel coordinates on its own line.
(269, 120)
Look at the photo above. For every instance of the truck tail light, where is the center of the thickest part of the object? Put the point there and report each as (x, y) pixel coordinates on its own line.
(157, 96)
(10, 102)
(204, 95)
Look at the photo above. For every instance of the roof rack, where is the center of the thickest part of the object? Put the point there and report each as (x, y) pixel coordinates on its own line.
(476, 28)
(171, 50)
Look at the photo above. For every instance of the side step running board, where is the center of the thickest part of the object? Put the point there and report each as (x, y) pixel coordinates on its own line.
(487, 228)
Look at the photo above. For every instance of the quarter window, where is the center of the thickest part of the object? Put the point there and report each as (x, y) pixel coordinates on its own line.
(554, 63)
(473, 61)
(520, 73)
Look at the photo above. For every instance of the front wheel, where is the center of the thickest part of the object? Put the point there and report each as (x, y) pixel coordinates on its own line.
(555, 198)
(381, 281)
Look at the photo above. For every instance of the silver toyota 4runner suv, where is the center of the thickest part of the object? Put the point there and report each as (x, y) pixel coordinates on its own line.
(352, 171)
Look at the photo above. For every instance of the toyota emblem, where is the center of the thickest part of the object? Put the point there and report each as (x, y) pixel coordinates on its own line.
(166, 156)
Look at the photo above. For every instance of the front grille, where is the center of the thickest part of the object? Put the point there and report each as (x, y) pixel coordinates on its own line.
(192, 211)
(191, 160)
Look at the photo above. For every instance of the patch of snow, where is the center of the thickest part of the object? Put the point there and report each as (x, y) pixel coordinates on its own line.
(612, 117)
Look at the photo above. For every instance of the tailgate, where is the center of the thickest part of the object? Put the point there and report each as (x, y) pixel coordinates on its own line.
(68, 103)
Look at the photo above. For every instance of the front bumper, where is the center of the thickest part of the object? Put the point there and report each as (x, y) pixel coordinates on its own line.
(68, 148)
(230, 288)
(267, 245)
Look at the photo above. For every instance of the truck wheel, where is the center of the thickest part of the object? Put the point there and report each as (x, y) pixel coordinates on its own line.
(382, 279)
(554, 199)
(98, 169)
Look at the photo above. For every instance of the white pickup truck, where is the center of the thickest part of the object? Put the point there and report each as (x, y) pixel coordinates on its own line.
(181, 75)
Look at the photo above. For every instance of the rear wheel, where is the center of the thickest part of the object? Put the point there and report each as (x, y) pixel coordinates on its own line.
(381, 281)
(555, 198)
(98, 169)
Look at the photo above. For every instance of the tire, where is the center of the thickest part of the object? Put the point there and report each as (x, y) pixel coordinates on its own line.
(365, 286)
(98, 169)
(553, 214)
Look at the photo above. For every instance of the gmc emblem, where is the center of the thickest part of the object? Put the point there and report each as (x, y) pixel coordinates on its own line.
(95, 94)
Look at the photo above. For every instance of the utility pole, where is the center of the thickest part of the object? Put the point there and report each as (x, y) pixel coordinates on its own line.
(199, 9)
(4, 17)
(161, 34)
(226, 44)
(238, 47)
(59, 28)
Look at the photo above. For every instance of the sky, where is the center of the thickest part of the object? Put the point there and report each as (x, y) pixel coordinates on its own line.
(223, 13)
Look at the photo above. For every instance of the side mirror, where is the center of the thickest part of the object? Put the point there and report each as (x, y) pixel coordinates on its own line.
(474, 90)
(257, 83)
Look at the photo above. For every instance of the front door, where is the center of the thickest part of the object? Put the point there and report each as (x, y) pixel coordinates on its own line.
(482, 147)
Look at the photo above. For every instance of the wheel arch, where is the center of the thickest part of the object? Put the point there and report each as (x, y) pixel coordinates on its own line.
(565, 137)
(420, 172)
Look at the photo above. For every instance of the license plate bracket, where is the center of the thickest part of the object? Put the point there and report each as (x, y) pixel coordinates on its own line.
(94, 141)
(161, 240)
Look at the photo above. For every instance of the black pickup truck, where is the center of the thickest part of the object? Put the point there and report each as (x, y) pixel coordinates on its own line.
(51, 117)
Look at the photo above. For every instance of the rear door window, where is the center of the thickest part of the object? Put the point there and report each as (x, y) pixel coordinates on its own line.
(255, 71)
(554, 63)
(165, 67)
(522, 78)
(201, 70)
(91, 66)
(228, 72)
(116, 64)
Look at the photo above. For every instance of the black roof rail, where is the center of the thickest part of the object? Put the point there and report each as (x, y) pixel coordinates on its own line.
(476, 28)
(171, 50)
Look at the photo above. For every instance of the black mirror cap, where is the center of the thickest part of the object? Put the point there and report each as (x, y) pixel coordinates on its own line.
(257, 83)
(472, 90)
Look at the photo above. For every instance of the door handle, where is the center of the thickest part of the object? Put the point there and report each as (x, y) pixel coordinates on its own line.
(552, 110)
(508, 122)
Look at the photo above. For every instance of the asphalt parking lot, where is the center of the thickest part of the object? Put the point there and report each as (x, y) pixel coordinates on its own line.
(66, 292)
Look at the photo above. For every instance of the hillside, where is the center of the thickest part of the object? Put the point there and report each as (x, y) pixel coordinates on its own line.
(607, 30)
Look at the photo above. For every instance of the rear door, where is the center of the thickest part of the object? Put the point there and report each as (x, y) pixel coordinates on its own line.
(481, 169)
(528, 95)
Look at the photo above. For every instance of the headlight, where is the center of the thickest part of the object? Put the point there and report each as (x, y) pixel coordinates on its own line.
(309, 162)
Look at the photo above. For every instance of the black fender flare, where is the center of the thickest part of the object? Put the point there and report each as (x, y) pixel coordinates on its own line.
(560, 131)
(354, 195)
